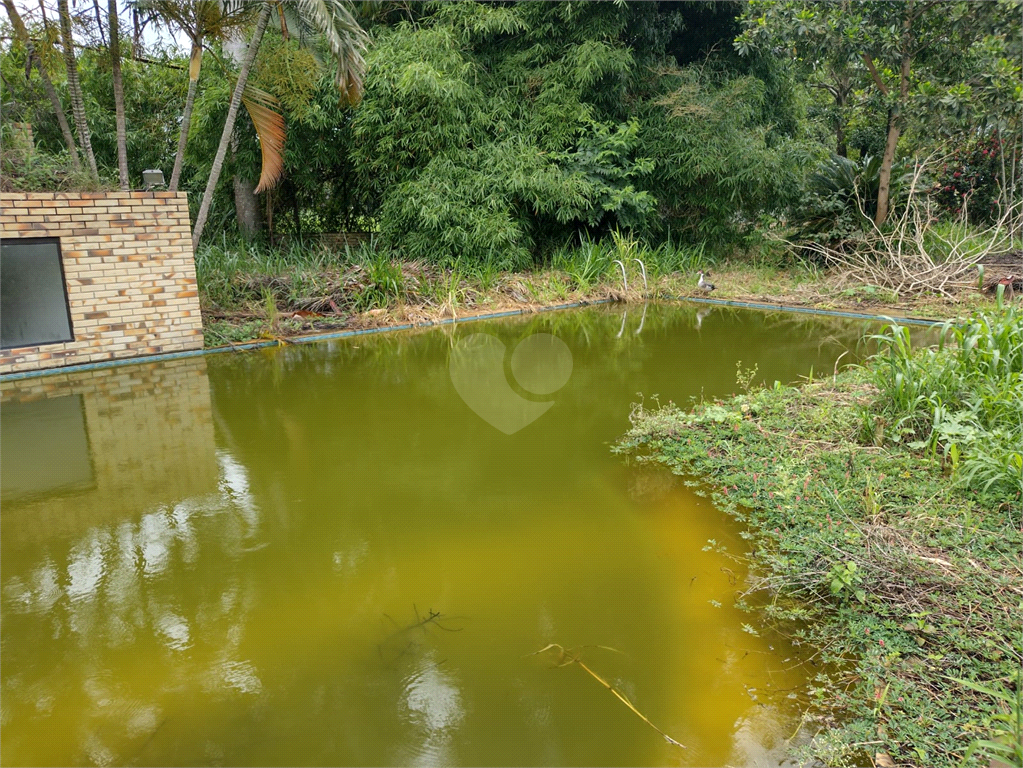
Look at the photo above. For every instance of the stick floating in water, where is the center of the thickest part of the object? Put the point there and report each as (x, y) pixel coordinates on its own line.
(571, 656)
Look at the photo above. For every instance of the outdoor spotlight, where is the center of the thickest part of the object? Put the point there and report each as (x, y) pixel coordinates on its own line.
(152, 178)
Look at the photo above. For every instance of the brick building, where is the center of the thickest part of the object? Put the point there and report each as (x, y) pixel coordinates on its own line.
(93, 276)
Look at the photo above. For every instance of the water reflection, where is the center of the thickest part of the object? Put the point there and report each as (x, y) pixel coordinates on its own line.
(433, 703)
(700, 316)
(217, 572)
(96, 574)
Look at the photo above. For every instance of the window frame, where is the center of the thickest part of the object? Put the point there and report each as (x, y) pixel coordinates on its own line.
(63, 280)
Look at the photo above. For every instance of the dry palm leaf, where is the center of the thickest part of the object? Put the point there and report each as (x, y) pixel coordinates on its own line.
(262, 108)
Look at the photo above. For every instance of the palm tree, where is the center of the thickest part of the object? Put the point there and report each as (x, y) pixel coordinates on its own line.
(74, 86)
(22, 34)
(201, 21)
(115, 65)
(329, 20)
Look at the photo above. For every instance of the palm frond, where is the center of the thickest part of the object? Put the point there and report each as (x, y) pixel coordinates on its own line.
(298, 28)
(199, 19)
(332, 23)
(263, 108)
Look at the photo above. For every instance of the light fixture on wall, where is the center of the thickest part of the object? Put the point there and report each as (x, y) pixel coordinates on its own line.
(152, 179)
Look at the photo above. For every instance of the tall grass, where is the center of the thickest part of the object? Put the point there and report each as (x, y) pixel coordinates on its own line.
(586, 265)
(227, 272)
(592, 263)
(238, 277)
(669, 257)
(221, 269)
(385, 283)
(963, 398)
(950, 238)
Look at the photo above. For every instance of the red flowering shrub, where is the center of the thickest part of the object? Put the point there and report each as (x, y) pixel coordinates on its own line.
(971, 177)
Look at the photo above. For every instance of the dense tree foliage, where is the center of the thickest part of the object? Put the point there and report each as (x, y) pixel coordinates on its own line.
(911, 58)
(523, 126)
(502, 131)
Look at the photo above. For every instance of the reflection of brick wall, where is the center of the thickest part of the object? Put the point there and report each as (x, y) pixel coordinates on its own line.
(129, 269)
(150, 434)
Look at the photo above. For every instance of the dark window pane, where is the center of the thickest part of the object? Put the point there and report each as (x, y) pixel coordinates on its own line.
(44, 447)
(33, 296)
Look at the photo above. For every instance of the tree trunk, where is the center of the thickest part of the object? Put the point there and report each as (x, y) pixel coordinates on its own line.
(841, 148)
(297, 213)
(51, 92)
(136, 38)
(122, 130)
(75, 87)
(99, 22)
(250, 222)
(841, 95)
(246, 207)
(884, 181)
(194, 65)
(232, 114)
(270, 216)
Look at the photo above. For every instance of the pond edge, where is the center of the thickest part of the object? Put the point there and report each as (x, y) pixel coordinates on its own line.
(314, 337)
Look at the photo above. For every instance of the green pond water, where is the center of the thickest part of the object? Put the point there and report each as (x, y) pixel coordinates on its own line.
(222, 560)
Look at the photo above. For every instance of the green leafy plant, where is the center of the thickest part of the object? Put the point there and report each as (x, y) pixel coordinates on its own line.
(972, 179)
(586, 265)
(845, 580)
(963, 398)
(745, 377)
(385, 282)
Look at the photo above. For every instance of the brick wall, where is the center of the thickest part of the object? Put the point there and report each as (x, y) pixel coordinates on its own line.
(149, 431)
(129, 271)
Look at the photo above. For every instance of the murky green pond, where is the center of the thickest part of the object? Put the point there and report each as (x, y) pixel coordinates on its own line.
(322, 555)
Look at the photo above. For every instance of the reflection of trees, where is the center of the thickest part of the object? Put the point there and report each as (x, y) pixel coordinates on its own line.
(348, 441)
(161, 599)
(105, 617)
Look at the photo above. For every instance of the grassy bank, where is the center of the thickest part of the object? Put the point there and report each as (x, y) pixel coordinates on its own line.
(883, 507)
(249, 292)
